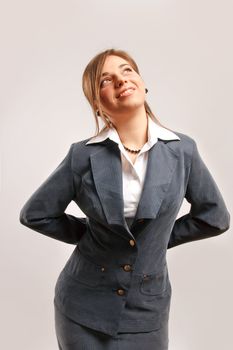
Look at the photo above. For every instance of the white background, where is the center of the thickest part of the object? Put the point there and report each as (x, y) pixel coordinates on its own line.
(184, 53)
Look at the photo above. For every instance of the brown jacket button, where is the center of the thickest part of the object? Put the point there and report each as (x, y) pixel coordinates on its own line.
(127, 267)
(132, 243)
(120, 291)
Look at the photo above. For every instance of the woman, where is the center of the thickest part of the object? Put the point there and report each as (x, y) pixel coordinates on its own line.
(130, 180)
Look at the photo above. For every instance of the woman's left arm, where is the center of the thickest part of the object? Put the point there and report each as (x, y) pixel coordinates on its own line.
(208, 215)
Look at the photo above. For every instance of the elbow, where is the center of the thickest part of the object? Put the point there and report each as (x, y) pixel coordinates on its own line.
(225, 224)
(23, 218)
(228, 220)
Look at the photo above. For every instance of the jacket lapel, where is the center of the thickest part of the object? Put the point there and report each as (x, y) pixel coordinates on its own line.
(160, 167)
(107, 173)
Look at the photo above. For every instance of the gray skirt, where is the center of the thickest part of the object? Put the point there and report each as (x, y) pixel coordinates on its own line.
(74, 336)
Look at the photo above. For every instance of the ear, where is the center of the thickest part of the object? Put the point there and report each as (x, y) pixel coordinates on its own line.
(95, 104)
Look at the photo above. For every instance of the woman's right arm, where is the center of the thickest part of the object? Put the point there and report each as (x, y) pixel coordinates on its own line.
(44, 211)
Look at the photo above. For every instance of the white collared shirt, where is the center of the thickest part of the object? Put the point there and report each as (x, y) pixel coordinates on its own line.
(133, 175)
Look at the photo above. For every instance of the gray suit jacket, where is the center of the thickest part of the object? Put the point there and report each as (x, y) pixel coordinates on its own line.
(116, 279)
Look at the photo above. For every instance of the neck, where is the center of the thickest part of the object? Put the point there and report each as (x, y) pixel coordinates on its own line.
(133, 132)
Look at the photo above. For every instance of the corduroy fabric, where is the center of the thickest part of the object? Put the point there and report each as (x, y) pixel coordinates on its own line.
(74, 336)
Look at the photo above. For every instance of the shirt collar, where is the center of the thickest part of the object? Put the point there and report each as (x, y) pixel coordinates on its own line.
(155, 132)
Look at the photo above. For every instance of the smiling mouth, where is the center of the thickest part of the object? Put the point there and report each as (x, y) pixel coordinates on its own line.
(126, 93)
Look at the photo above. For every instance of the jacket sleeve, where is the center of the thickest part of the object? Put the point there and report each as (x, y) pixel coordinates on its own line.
(208, 215)
(44, 210)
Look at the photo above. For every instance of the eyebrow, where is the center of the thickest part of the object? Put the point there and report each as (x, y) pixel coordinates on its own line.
(120, 66)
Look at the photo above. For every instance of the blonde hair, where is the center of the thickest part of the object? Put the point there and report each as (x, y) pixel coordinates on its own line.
(91, 87)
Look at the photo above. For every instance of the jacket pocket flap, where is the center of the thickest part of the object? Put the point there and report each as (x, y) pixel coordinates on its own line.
(154, 283)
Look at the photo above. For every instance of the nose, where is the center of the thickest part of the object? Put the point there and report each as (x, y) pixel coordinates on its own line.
(120, 80)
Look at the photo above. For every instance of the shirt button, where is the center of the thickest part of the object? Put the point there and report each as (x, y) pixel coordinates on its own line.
(102, 268)
(132, 243)
(120, 291)
(127, 268)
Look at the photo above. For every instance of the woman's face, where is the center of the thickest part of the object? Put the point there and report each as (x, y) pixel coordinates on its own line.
(118, 75)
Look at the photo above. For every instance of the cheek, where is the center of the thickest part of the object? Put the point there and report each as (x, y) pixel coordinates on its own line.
(106, 97)
(141, 85)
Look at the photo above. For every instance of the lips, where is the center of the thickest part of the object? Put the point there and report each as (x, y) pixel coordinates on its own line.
(128, 89)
